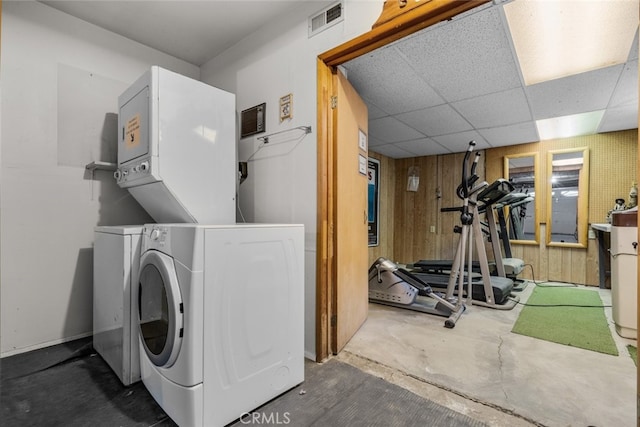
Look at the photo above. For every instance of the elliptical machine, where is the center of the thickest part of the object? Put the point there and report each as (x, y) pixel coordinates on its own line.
(397, 287)
(394, 286)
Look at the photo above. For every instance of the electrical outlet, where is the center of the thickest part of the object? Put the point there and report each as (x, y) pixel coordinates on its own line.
(592, 234)
(432, 229)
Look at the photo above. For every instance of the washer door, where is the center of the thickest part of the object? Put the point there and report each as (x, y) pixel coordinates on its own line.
(160, 308)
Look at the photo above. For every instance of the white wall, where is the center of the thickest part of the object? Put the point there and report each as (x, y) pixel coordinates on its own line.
(60, 81)
(274, 61)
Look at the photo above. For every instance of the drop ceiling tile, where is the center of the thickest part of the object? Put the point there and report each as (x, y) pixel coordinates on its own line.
(466, 58)
(619, 118)
(626, 91)
(633, 53)
(390, 150)
(373, 141)
(439, 120)
(384, 78)
(461, 57)
(575, 94)
(389, 129)
(374, 111)
(422, 147)
(459, 142)
(519, 133)
(496, 109)
(437, 26)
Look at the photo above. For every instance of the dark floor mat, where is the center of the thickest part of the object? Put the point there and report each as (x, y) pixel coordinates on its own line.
(338, 394)
(71, 386)
(81, 392)
(44, 358)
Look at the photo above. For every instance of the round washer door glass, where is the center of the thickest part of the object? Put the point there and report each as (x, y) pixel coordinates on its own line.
(159, 306)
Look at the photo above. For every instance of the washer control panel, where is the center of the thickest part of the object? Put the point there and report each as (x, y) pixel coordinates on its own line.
(133, 171)
(155, 237)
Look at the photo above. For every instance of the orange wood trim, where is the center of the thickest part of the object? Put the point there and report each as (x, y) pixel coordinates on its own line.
(583, 199)
(414, 19)
(332, 135)
(324, 215)
(537, 187)
(394, 8)
(638, 277)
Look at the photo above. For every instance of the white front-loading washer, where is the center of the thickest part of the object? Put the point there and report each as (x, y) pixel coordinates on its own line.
(116, 258)
(221, 311)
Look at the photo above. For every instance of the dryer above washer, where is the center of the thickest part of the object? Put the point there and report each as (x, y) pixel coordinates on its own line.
(177, 148)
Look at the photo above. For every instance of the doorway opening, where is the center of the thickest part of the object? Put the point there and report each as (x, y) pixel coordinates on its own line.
(397, 20)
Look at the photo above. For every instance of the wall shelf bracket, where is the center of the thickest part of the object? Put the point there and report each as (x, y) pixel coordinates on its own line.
(265, 138)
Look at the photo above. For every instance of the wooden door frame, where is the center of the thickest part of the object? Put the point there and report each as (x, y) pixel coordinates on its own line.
(398, 19)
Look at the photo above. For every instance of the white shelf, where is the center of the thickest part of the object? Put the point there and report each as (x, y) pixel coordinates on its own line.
(105, 166)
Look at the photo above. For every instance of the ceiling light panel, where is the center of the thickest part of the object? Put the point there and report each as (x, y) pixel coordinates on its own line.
(561, 38)
(569, 126)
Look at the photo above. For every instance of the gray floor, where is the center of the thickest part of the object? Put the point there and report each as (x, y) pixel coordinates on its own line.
(406, 370)
(70, 385)
(481, 369)
(336, 394)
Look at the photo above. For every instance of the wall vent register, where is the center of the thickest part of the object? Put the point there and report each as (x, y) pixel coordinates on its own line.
(325, 19)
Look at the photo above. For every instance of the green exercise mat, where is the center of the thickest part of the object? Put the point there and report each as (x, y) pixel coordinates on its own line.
(547, 317)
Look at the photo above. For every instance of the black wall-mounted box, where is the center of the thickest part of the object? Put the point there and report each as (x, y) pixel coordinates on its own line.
(252, 120)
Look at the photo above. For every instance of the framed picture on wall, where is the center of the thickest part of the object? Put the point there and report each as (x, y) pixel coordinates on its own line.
(373, 176)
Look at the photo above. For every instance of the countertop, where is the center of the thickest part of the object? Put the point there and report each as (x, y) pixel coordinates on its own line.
(602, 227)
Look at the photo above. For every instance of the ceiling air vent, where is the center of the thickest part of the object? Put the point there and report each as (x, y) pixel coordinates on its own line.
(325, 19)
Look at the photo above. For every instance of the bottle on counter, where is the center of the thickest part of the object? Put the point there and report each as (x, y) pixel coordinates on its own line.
(633, 196)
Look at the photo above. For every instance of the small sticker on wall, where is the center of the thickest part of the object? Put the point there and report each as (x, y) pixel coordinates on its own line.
(132, 134)
(286, 107)
(362, 140)
(362, 167)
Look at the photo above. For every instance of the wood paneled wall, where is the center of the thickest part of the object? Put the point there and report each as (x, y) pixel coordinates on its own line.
(411, 216)
(407, 217)
(612, 166)
(387, 209)
(613, 159)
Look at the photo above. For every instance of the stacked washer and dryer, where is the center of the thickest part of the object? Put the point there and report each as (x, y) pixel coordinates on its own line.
(207, 312)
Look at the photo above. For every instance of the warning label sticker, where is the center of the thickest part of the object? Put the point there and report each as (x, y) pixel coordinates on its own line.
(132, 134)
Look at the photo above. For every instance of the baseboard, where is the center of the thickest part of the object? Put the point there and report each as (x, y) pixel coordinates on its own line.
(44, 345)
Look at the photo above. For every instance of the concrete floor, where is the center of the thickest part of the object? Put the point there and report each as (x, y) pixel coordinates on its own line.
(481, 369)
